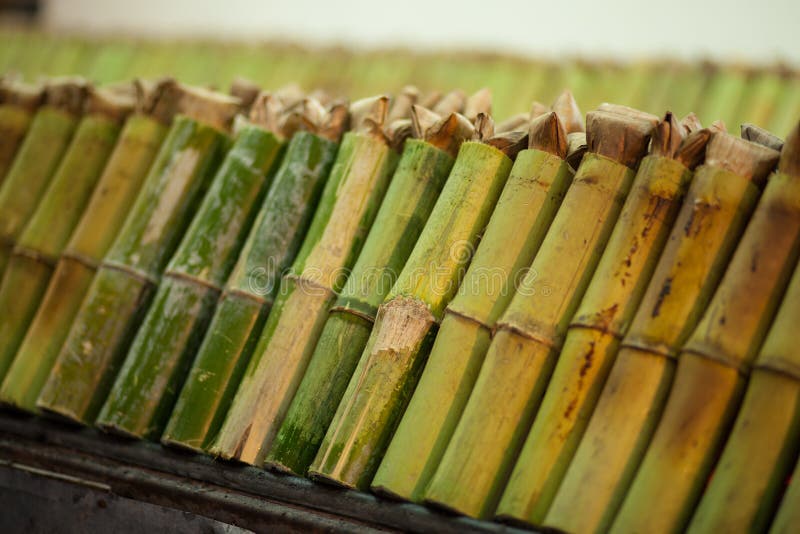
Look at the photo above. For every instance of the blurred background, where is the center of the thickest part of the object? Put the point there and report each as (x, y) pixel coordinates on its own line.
(736, 62)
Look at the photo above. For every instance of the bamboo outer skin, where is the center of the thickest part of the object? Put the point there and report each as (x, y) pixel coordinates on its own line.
(271, 246)
(123, 286)
(116, 191)
(592, 340)
(416, 184)
(706, 231)
(535, 188)
(157, 362)
(34, 165)
(714, 362)
(392, 360)
(486, 440)
(357, 184)
(40, 244)
(15, 119)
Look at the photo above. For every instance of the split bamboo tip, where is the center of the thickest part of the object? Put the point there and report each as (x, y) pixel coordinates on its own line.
(157, 99)
(209, 107)
(619, 134)
(246, 91)
(401, 105)
(742, 157)
(548, 134)
(753, 133)
(519, 121)
(576, 148)
(21, 94)
(452, 102)
(368, 115)
(67, 94)
(691, 123)
(478, 103)
(568, 111)
(668, 136)
(692, 151)
(537, 109)
(790, 153)
(109, 102)
(430, 100)
(445, 133)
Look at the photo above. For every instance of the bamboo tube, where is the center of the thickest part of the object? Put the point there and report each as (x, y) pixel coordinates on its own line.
(758, 457)
(40, 244)
(405, 324)
(271, 246)
(37, 158)
(526, 207)
(105, 212)
(154, 369)
(714, 362)
(18, 105)
(423, 168)
(592, 339)
(716, 208)
(486, 440)
(358, 181)
(787, 519)
(122, 288)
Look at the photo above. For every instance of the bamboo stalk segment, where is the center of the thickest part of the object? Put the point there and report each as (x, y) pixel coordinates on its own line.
(713, 364)
(37, 159)
(357, 184)
(40, 244)
(154, 369)
(487, 438)
(714, 213)
(392, 360)
(105, 212)
(607, 307)
(123, 286)
(271, 246)
(421, 172)
(526, 207)
(787, 520)
(18, 105)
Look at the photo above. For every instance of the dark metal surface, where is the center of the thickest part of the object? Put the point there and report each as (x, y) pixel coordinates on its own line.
(233, 494)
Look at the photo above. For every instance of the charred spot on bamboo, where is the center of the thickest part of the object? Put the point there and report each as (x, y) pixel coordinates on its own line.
(666, 289)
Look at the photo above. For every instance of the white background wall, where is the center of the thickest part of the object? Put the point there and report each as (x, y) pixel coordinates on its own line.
(765, 30)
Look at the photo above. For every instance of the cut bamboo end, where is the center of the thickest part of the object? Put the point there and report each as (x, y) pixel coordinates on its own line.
(109, 103)
(790, 153)
(753, 133)
(246, 91)
(568, 111)
(668, 136)
(368, 116)
(477, 103)
(20, 94)
(691, 123)
(452, 102)
(619, 135)
(429, 100)
(548, 134)
(67, 94)
(693, 149)
(208, 107)
(576, 148)
(402, 104)
(446, 133)
(537, 109)
(741, 157)
(509, 143)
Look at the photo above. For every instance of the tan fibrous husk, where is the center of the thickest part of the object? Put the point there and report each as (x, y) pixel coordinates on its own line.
(246, 91)
(742, 157)
(569, 112)
(445, 133)
(429, 100)
(114, 103)
(790, 153)
(510, 143)
(157, 98)
(452, 102)
(548, 134)
(753, 133)
(691, 123)
(668, 135)
(619, 133)
(21, 94)
(519, 122)
(692, 151)
(538, 109)
(286, 118)
(402, 103)
(209, 107)
(67, 93)
(478, 103)
(576, 148)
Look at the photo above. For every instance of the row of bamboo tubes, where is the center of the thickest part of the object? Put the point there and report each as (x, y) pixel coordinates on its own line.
(581, 322)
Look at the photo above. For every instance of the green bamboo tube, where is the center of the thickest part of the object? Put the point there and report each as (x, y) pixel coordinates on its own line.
(526, 207)
(787, 519)
(406, 321)
(787, 106)
(273, 242)
(714, 362)
(105, 212)
(489, 433)
(421, 172)
(37, 158)
(153, 371)
(758, 457)
(18, 105)
(122, 288)
(40, 244)
(760, 98)
(606, 309)
(709, 224)
(723, 95)
(357, 183)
